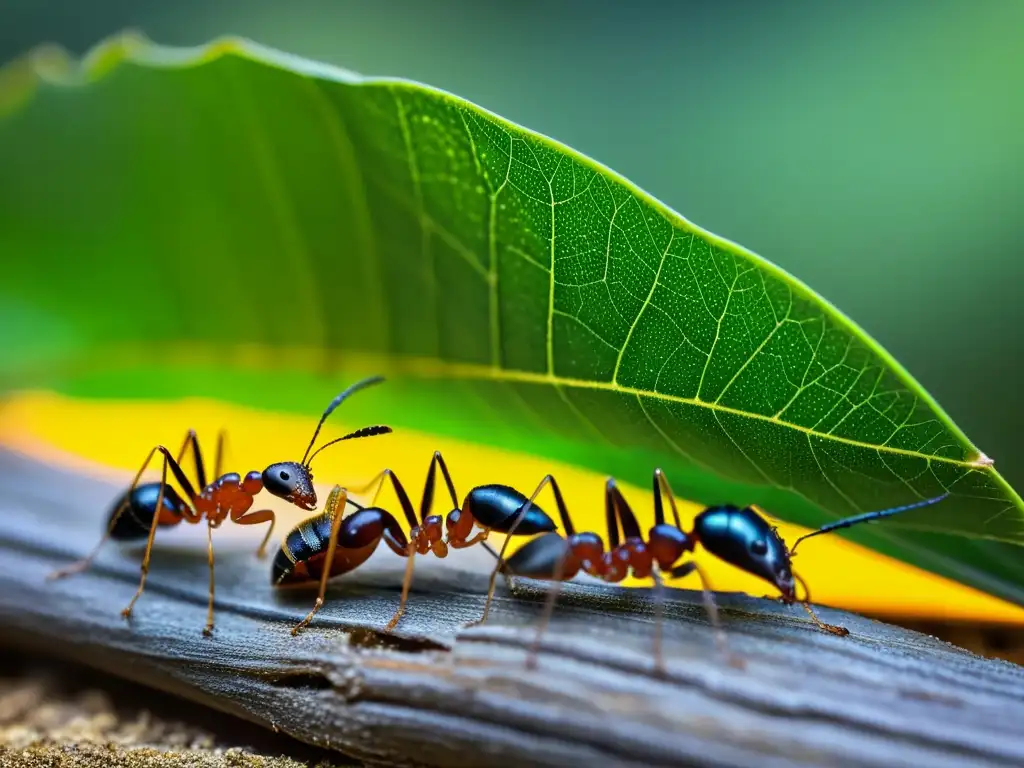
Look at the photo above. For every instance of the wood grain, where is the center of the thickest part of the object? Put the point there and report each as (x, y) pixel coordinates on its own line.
(435, 694)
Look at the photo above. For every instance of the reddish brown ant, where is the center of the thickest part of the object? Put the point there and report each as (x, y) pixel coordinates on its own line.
(740, 537)
(228, 497)
(330, 544)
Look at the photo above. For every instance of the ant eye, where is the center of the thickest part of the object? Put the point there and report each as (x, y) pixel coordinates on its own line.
(281, 479)
(759, 547)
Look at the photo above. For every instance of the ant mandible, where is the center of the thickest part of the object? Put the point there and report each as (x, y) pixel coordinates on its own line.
(229, 497)
(740, 537)
(330, 544)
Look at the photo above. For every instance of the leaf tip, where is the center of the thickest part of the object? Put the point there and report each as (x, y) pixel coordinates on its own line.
(981, 461)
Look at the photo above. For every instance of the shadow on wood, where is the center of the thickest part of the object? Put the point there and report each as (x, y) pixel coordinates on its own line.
(434, 694)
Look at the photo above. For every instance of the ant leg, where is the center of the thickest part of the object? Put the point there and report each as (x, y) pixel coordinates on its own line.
(659, 621)
(661, 487)
(83, 564)
(619, 513)
(710, 608)
(333, 509)
(428, 502)
(479, 538)
(191, 438)
(832, 629)
(406, 583)
(378, 480)
(222, 437)
(255, 518)
(127, 612)
(566, 522)
(208, 629)
(549, 609)
(509, 577)
(197, 457)
(428, 487)
(403, 497)
(499, 566)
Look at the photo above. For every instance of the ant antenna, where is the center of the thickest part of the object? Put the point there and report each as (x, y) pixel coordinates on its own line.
(806, 603)
(807, 592)
(846, 522)
(334, 404)
(377, 429)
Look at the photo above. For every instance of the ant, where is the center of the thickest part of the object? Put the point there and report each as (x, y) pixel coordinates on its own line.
(740, 537)
(143, 508)
(330, 544)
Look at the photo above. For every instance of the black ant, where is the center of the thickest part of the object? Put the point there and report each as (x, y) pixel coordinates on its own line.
(230, 496)
(740, 537)
(330, 544)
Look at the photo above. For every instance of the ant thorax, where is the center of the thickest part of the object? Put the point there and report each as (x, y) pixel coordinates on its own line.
(427, 536)
(228, 496)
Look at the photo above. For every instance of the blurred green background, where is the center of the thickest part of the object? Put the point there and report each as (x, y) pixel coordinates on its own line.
(873, 149)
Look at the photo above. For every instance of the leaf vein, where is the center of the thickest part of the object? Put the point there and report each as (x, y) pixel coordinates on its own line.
(643, 307)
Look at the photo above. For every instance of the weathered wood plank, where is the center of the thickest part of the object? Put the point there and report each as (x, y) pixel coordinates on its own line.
(436, 694)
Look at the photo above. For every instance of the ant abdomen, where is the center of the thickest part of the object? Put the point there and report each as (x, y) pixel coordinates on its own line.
(540, 559)
(140, 504)
(497, 507)
(303, 556)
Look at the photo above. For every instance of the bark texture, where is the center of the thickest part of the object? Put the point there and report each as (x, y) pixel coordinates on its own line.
(436, 694)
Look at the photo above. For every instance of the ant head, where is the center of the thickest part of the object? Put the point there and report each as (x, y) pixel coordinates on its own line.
(741, 537)
(292, 482)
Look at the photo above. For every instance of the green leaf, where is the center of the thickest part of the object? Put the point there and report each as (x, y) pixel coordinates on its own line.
(237, 222)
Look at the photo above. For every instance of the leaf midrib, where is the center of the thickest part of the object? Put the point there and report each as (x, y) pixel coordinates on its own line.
(560, 381)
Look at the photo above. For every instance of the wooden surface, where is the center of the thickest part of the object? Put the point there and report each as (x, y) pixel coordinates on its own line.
(438, 695)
